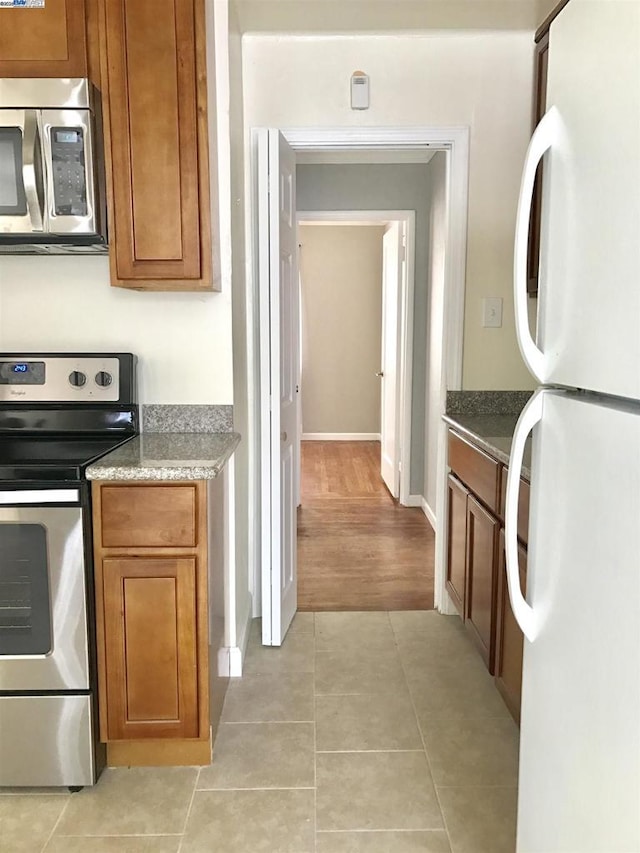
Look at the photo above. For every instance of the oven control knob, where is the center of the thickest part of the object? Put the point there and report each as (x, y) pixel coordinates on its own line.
(103, 379)
(77, 378)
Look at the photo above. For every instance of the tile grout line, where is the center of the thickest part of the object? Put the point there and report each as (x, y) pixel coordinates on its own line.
(261, 788)
(363, 831)
(315, 745)
(55, 826)
(426, 754)
(366, 751)
(193, 796)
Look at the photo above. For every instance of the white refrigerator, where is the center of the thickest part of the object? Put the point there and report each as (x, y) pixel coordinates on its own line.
(579, 786)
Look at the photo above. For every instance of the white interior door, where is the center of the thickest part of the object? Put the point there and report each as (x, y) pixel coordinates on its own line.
(392, 260)
(277, 238)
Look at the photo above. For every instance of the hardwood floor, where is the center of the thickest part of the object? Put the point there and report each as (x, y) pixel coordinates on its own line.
(358, 549)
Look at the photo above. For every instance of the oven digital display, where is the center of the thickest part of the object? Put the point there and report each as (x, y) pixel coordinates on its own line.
(22, 373)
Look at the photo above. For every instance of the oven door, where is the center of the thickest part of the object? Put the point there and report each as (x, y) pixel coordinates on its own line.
(43, 610)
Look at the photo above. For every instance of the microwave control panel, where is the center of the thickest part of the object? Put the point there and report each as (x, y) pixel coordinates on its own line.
(69, 171)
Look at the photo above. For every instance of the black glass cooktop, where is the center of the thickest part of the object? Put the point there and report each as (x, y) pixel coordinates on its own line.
(60, 458)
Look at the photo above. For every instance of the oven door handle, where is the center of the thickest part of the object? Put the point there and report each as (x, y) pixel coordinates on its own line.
(39, 496)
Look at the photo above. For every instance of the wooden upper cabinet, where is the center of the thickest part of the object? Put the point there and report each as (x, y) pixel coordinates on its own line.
(46, 42)
(154, 81)
(539, 109)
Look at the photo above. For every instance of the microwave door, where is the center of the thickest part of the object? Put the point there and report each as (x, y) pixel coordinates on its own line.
(68, 151)
(21, 172)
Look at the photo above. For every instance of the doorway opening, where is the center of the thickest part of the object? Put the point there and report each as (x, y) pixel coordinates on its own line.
(360, 547)
(357, 318)
(278, 295)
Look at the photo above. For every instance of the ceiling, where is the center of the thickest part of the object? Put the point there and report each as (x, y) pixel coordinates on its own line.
(383, 16)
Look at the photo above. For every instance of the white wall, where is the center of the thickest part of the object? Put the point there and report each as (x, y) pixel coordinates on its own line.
(341, 307)
(183, 340)
(436, 284)
(244, 396)
(483, 80)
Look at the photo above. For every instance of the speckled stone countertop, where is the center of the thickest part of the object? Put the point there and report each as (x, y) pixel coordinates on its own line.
(167, 456)
(493, 434)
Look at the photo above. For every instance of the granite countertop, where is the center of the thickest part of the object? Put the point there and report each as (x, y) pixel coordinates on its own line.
(167, 456)
(493, 434)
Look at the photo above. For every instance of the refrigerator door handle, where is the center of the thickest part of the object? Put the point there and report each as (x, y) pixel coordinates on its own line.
(524, 614)
(544, 136)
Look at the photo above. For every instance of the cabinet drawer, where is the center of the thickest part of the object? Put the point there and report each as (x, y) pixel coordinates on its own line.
(149, 516)
(523, 505)
(476, 470)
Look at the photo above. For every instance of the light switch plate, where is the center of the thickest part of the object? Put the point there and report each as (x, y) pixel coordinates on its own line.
(492, 312)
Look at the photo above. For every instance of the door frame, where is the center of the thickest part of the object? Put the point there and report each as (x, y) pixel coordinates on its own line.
(455, 140)
(405, 309)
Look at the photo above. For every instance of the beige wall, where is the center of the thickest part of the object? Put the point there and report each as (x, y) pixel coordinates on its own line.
(481, 80)
(341, 272)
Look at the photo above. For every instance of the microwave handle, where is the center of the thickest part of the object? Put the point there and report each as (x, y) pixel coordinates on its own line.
(31, 134)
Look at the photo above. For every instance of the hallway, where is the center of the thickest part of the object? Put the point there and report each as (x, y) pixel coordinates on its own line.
(358, 549)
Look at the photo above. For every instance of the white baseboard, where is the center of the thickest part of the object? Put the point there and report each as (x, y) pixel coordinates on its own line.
(413, 500)
(243, 630)
(340, 436)
(431, 516)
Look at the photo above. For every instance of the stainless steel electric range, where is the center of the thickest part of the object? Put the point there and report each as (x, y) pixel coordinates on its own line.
(58, 413)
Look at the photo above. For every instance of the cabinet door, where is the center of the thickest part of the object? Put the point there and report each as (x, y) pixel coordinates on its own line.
(44, 42)
(456, 536)
(156, 137)
(151, 647)
(482, 538)
(509, 637)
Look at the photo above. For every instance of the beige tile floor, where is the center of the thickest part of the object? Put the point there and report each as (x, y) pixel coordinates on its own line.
(364, 733)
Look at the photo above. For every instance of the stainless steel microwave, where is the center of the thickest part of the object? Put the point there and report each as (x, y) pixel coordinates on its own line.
(51, 167)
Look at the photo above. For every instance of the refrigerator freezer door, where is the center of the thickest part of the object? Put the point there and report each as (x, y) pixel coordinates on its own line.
(580, 726)
(589, 301)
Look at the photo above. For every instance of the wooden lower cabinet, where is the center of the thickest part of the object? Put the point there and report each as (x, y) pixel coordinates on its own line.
(482, 543)
(150, 624)
(476, 573)
(151, 620)
(509, 637)
(456, 545)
